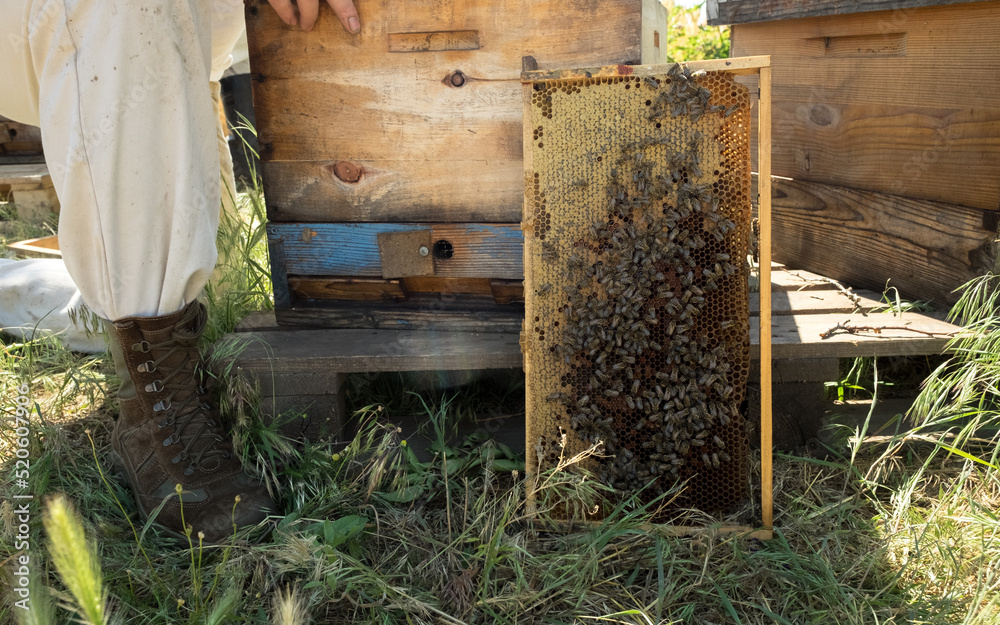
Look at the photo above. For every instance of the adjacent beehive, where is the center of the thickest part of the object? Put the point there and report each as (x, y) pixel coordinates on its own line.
(392, 159)
(886, 136)
(637, 219)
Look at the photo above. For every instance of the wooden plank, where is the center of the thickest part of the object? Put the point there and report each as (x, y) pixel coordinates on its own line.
(507, 291)
(925, 249)
(481, 189)
(722, 12)
(347, 288)
(764, 327)
(21, 173)
(808, 302)
(737, 66)
(423, 126)
(258, 320)
(799, 280)
(479, 250)
(434, 284)
(450, 312)
(45, 247)
(799, 336)
(869, 101)
(18, 138)
(812, 302)
(442, 41)
(654, 32)
(351, 351)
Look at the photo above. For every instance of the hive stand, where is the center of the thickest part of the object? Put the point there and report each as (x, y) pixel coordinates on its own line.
(303, 370)
(29, 186)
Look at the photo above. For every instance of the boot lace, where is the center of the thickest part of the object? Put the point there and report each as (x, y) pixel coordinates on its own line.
(203, 444)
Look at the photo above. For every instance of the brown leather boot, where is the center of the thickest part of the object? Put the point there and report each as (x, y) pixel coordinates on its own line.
(168, 433)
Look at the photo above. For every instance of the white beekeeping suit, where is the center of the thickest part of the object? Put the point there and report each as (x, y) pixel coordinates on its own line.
(121, 92)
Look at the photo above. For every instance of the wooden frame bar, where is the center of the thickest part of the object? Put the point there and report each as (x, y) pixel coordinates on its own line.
(764, 217)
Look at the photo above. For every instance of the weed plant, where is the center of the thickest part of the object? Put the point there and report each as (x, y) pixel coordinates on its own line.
(896, 529)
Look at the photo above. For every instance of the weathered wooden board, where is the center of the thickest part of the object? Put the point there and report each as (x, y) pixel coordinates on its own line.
(904, 102)
(26, 173)
(351, 249)
(20, 139)
(390, 350)
(435, 131)
(721, 12)
(445, 312)
(812, 302)
(925, 249)
(783, 280)
(800, 336)
(476, 190)
(378, 350)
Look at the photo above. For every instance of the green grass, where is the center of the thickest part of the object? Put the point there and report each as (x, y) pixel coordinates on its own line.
(898, 529)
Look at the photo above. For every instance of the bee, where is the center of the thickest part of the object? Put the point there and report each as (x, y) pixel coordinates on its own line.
(555, 396)
(545, 288)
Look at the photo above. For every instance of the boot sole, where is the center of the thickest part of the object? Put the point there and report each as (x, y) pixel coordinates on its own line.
(122, 475)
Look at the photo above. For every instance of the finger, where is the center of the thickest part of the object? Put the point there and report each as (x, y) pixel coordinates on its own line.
(285, 10)
(308, 12)
(347, 14)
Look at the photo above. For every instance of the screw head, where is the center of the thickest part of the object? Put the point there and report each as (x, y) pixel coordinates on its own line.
(424, 251)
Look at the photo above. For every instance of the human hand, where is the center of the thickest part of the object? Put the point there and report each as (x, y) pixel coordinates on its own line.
(308, 11)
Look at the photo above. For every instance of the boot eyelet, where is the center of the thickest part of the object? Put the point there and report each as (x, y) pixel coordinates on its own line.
(166, 423)
(212, 423)
(205, 406)
(141, 346)
(181, 456)
(160, 406)
(155, 387)
(147, 367)
(189, 470)
(168, 441)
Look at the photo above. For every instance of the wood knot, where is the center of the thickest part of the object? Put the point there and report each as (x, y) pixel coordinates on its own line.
(348, 172)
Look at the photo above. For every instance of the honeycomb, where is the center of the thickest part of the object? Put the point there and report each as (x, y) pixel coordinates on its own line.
(637, 223)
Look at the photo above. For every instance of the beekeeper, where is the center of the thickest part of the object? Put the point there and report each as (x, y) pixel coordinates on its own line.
(121, 91)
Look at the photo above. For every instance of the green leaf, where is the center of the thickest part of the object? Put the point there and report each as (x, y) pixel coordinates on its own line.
(508, 465)
(404, 495)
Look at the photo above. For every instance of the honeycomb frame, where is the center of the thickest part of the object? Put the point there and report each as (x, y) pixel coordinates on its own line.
(636, 221)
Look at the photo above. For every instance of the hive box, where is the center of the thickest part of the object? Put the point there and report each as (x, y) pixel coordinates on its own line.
(392, 159)
(887, 121)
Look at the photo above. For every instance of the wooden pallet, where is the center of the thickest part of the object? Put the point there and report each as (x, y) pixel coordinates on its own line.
(29, 186)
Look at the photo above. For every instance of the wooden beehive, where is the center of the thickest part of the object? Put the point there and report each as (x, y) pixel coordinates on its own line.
(392, 160)
(887, 123)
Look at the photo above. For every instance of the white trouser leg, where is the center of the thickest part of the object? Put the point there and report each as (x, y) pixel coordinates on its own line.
(121, 92)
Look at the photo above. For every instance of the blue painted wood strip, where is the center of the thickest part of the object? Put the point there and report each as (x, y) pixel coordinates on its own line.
(338, 249)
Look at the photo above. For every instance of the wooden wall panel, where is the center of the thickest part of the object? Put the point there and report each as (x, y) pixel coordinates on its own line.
(925, 249)
(435, 134)
(904, 103)
(482, 190)
(721, 12)
(318, 249)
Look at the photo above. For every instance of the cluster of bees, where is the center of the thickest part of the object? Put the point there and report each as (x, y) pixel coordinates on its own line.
(649, 375)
